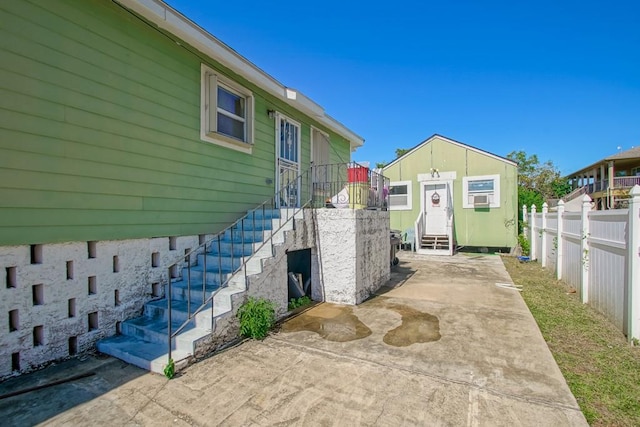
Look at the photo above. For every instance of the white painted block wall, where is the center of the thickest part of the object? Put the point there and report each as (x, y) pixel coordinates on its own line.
(349, 261)
(134, 280)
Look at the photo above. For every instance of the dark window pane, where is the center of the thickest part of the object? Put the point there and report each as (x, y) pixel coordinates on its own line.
(230, 102)
(482, 185)
(397, 190)
(230, 127)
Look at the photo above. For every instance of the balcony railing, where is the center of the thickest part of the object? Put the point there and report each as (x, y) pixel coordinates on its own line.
(620, 182)
(348, 185)
(626, 181)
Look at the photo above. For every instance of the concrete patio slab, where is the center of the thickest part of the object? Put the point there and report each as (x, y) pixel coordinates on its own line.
(440, 345)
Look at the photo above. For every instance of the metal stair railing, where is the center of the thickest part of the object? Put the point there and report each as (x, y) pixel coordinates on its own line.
(308, 189)
(238, 236)
(419, 229)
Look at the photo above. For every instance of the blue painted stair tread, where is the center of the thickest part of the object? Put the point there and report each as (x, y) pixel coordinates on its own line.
(144, 340)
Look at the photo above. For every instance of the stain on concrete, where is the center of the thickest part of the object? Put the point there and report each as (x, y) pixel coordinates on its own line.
(416, 327)
(333, 323)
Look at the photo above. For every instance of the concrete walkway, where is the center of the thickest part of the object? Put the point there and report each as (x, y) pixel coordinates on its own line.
(441, 345)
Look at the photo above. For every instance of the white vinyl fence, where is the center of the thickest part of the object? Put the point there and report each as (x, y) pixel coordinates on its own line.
(596, 252)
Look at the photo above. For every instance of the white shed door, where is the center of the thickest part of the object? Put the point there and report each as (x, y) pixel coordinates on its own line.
(436, 208)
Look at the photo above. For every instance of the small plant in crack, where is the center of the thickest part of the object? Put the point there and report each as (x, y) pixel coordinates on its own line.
(170, 369)
(257, 316)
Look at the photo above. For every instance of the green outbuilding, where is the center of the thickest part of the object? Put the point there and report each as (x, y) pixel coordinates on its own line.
(445, 195)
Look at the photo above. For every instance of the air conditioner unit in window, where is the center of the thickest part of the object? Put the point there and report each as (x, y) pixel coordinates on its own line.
(481, 201)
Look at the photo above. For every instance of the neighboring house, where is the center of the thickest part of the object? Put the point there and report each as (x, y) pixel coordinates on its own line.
(132, 145)
(445, 194)
(607, 181)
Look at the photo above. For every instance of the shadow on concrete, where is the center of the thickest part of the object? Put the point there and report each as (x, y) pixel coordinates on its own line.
(75, 382)
(399, 275)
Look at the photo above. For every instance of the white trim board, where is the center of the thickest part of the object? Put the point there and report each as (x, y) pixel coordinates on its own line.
(459, 144)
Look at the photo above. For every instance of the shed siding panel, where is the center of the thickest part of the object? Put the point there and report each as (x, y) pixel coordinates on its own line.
(496, 227)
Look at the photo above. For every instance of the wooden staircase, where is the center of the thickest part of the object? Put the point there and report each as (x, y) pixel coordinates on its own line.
(435, 242)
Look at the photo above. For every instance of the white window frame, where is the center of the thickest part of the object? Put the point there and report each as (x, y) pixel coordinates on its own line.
(210, 80)
(409, 205)
(494, 196)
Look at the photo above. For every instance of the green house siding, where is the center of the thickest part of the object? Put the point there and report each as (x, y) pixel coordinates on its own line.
(100, 130)
(495, 227)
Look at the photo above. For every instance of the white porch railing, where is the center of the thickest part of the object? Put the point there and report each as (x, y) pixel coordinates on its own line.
(598, 253)
(419, 229)
(450, 229)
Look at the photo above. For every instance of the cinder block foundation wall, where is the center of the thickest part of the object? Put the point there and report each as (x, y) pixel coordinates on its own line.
(57, 300)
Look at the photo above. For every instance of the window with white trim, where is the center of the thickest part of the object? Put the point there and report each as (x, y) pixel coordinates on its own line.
(481, 191)
(400, 195)
(226, 112)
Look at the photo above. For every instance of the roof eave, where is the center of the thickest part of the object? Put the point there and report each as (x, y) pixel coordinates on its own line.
(169, 19)
(452, 141)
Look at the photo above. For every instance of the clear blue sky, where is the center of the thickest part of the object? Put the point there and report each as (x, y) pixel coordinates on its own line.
(560, 79)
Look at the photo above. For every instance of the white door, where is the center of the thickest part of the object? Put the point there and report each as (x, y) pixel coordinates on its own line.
(287, 162)
(436, 208)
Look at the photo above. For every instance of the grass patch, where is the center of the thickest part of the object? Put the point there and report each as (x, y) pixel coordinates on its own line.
(600, 366)
(299, 302)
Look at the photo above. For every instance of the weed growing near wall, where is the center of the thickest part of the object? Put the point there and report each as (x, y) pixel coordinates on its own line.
(257, 316)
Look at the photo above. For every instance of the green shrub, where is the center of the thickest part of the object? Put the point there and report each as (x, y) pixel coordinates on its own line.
(299, 302)
(525, 245)
(257, 316)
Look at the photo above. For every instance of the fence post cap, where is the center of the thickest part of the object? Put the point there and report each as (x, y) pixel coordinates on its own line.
(560, 202)
(635, 191)
(545, 205)
(586, 199)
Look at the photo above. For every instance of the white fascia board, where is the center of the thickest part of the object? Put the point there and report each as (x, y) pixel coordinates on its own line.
(169, 19)
(451, 141)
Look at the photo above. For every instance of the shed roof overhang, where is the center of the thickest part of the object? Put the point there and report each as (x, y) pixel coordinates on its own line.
(169, 19)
